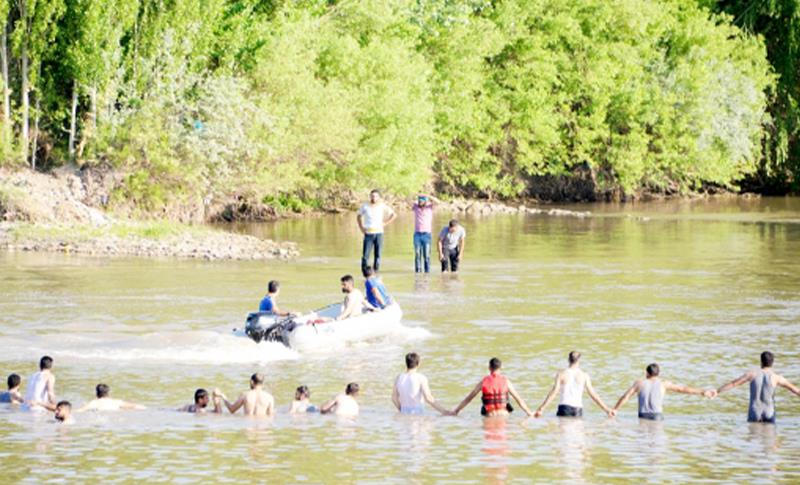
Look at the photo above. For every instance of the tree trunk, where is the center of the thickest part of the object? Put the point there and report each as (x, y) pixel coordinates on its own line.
(35, 142)
(6, 90)
(93, 100)
(24, 73)
(73, 120)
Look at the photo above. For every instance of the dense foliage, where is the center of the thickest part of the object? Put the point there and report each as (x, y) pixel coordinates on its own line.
(301, 100)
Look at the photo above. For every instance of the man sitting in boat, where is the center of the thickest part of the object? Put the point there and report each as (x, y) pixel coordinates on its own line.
(377, 296)
(354, 303)
(269, 304)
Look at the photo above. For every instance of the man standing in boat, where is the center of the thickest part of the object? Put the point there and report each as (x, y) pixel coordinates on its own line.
(763, 383)
(372, 218)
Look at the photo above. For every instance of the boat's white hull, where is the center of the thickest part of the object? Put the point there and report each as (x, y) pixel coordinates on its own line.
(366, 326)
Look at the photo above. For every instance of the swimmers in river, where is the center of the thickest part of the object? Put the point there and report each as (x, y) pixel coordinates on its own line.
(12, 395)
(104, 401)
(344, 404)
(40, 393)
(377, 295)
(571, 382)
(494, 389)
(301, 403)
(256, 401)
(201, 400)
(652, 390)
(63, 413)
(269, 303)
(411, 390)
(763, 383)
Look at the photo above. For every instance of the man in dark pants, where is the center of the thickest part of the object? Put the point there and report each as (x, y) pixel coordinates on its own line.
(372, 217)
(452, 239)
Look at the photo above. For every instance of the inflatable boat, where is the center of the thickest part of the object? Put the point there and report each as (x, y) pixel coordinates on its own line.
(305, 330)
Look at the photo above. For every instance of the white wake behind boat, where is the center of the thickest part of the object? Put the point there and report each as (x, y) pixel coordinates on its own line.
(310, 329)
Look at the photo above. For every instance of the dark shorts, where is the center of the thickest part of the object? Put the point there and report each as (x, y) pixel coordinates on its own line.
(652, 416)
(509, 408)
(569, 411)
(761, 419)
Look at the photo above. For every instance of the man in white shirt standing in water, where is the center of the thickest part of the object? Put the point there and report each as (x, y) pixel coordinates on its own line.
(411, 389)
(40, 395)
(571, 382)
(372, 218)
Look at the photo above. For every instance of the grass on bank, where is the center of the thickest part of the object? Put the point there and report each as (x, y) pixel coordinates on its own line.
(153, 230)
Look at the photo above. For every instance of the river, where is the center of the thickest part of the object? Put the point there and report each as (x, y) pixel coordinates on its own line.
(701, 287)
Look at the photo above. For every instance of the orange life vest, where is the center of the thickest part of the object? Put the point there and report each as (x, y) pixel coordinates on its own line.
(495, 392)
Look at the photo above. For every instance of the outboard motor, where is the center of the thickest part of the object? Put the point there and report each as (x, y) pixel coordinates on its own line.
(265, 326)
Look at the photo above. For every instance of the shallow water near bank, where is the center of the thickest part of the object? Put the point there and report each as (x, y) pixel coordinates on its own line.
(701, 287)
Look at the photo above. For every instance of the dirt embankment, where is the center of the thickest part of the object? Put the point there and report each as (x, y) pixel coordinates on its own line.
(63, 211)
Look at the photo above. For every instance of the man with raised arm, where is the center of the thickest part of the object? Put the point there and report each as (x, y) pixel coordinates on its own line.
(494, 389)
(256, 401)
(652, 390)
(411, 390)
(201, 400)
(571, 382)
(423, 228)
(763, 383)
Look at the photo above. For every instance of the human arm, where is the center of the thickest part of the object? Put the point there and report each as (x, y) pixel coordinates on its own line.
(462, 244)
(130, 405)
(428, 396)
(672, 387)
(45, 404)
(271, 407)
(439, 247)
(392, 215)
(628, 394)
(51, 390)
(216, 398)
(329, 406)
(468, 399)
(550, 396)
(596, 398)
(744, 378)
(347, 309)
(360, 221)
(396, 395)
(378, 296)
(784, 383)
(232, 408)
(519, 400)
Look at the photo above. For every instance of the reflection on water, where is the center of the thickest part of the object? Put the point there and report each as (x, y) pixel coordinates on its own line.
(701, 287)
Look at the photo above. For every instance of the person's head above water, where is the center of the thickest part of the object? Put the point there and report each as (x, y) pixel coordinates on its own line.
(46, 362)
(495, 364)
(767, 359)
(201, 398)
(653, 370)
(302, 392)
(102, 390)
(352, 389)
(347, 283)
(63, 410)
(13, 381)
(574, 357)
(256, 379)
(412, 360)
(368, 272)
(374, 196)
(273, 287)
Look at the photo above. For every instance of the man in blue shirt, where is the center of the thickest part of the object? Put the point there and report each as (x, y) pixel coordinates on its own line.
(377, 295)
(268, 303)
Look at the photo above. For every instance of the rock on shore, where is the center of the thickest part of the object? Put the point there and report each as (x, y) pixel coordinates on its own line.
(475, 207)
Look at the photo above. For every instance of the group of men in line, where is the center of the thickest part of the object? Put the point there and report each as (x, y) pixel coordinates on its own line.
(375, 215)
(411, 391)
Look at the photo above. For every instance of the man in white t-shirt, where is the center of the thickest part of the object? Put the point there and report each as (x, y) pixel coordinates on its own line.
(372, 218)
(411, 390)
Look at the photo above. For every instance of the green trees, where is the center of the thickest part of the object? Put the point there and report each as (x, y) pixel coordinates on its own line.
(315, 99)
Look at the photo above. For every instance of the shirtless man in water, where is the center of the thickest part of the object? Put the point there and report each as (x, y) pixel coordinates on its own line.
(105, 402)
(256, 401)
(343, 404)
(201, 400)
(572, 381)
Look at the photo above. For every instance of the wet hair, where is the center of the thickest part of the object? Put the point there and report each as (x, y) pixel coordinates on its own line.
(257, 379)
(374, 191)
(13, 381)
(412, 360)
(495, 364)
(200, 394)
(303, 390)
(347, 279)
(767, 358)
(351, 388)
(64, 404)
(574, 356)
(653, 370)
(102, 390)
(368, 271)
(46, 362)
(453, 223)
(273, 286)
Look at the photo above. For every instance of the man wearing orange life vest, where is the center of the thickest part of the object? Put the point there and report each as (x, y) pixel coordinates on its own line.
(495, 389)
